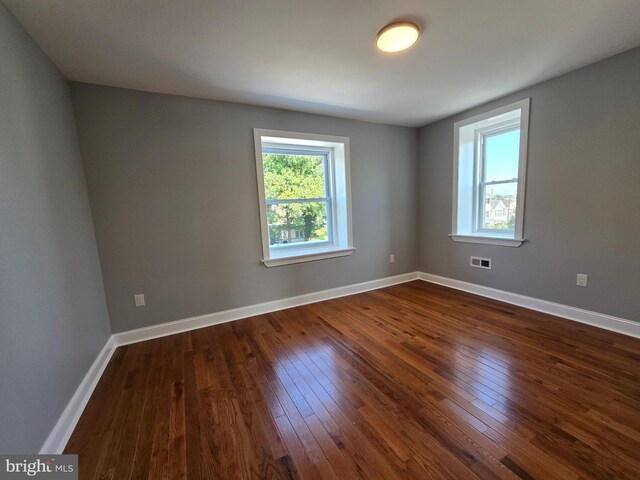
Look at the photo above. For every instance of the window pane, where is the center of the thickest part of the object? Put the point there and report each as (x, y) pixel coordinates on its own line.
(501, 156)
(292, 223)
(499, 206)
(288, 176)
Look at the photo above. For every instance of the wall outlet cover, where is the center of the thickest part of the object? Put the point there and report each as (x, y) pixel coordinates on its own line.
(139, 300)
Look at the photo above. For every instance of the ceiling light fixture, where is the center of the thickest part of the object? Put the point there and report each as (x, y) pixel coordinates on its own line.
(397, 36)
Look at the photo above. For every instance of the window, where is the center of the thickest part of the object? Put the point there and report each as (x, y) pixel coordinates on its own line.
(304, 195)
(489, 176)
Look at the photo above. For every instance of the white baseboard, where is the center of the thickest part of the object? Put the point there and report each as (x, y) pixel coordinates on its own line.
(59, 436)
(187, 324)
(608, 322)
(600, 320)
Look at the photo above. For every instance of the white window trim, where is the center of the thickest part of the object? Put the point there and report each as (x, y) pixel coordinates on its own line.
(335, 247)
(486, 240)
(494, 238)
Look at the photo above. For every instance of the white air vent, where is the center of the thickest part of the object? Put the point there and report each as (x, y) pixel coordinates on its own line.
(481, 262)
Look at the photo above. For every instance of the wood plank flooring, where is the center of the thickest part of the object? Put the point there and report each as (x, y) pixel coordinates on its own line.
(411, 381)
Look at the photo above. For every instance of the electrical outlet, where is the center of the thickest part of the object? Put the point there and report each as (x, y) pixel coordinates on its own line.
(139, 300)
(582, 279)
(392, 258)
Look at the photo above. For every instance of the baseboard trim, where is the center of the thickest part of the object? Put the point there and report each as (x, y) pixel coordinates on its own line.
(193, 323)
(600, 320)
(59, 436)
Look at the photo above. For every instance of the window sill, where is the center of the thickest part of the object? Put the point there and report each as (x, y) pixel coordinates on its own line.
(308, 256)
(487, 240)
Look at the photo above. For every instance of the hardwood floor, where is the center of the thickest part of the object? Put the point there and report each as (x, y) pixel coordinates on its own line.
(411, 381)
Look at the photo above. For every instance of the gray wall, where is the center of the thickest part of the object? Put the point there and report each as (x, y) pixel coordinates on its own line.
(582, 212)
(173, 193)
(53, 317)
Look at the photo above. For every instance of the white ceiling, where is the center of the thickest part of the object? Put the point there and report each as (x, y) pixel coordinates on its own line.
(320, 56)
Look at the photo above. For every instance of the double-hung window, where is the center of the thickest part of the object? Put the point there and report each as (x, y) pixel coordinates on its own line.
(489, 176)
(303, 185)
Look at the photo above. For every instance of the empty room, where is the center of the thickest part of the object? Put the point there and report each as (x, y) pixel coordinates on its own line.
(303, 239)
